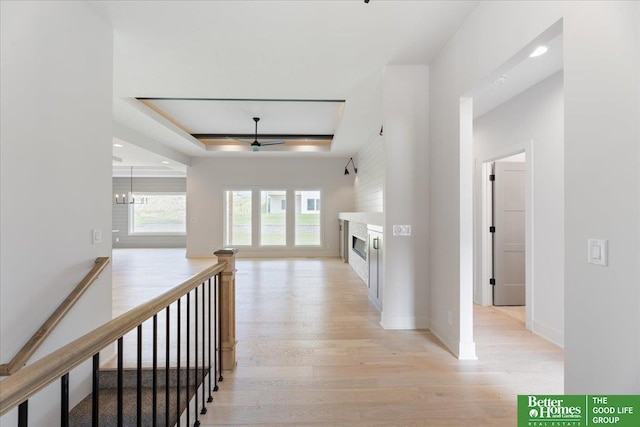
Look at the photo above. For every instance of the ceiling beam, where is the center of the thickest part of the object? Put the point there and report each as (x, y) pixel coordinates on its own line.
(321, 137)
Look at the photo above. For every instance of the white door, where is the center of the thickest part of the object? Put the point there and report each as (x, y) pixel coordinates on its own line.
(509, 235)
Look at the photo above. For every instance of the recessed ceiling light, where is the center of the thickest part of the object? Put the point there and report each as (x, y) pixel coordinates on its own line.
(500, 80)
(117, 145)
(540, 50)
(164, 162)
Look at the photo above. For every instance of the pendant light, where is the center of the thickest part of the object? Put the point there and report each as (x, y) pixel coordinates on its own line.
(130, 199)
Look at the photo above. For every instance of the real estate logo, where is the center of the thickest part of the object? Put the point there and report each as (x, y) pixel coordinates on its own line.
(578, 410)
(551, 410)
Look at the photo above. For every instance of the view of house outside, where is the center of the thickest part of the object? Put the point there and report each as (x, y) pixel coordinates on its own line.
(238, 218)
(307, 225)
(274, 216)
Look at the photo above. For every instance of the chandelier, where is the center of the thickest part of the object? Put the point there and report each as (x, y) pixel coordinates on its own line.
(129, 199)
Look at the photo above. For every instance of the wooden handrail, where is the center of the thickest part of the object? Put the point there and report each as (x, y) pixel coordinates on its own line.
(27, 350)
(32, 378)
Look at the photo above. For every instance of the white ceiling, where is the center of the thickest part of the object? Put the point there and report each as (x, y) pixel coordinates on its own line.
(520, 77)
(257, 50)
(269, 50)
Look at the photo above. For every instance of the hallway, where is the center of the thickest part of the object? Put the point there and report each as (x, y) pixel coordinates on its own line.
(311, 352)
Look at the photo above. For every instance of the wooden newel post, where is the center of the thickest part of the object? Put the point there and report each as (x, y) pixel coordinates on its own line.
(228, 307)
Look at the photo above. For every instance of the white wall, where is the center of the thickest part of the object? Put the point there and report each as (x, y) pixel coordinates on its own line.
(601, 73)
(369, 182)
(208, 178)
(537, 115)
(55, 127)
(405, 116)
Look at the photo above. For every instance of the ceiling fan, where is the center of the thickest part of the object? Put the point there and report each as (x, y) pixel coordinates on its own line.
(255, 145)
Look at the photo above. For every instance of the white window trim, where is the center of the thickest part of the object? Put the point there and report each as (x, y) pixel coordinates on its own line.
(259, 222)
(256, 218)
(320, 213)
(154, 233)
(225, 221)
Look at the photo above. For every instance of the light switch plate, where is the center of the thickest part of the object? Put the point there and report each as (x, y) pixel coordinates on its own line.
(402, 230)
(597, 252)
(96, 235)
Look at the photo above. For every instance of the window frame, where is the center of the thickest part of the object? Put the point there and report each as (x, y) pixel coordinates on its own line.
(259, 244)
(290, 220)
(131, 214)
(320, 214)
(225, 219)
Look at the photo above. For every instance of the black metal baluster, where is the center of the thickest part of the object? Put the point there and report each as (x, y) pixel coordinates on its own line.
(195, 377)
(220, 378)
(188, 350)
(154, 374)
(210, 398)
(64, 400)
(23, 414)
(166, 373)
(204, 337)
(139, 380)
(95, 392)
(178, 363)
(216, 331)
(120, 381)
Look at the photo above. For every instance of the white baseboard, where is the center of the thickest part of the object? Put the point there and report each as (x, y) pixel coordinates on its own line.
(404, 322)
(467, 350)
(548, 333)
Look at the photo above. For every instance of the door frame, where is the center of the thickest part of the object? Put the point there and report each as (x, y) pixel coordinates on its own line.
(484, 258)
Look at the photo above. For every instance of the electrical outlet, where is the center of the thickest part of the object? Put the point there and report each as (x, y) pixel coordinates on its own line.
(402, 230)
(450, 318)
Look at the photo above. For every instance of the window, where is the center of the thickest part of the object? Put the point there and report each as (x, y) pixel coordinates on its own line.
(307, 218)
(273, 218)
(164, 213)
(238, 218)
(280, 218)
(313, 205)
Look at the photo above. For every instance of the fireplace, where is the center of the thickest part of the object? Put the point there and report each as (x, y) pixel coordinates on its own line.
(359, 246)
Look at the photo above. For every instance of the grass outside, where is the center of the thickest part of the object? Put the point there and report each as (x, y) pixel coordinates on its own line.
(277, 219)
(160, 213)
(303, 238)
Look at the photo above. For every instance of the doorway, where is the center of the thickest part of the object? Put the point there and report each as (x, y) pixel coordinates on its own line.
(506, 235)
(508, 187)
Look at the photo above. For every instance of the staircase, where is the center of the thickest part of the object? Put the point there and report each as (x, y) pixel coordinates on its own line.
(80, 415)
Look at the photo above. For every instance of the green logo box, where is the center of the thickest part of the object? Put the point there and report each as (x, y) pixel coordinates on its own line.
(578, 410)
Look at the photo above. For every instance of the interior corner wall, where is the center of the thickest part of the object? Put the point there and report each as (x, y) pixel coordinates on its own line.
(536, 114)
(56, 144)
(602, 194)
(208, 178)
(406, 142)
(368, 185)
(121, 237)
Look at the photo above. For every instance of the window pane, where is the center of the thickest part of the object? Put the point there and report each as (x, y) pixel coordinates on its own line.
(163, 213)
(307, 218)
(238, 217)
(273, 218)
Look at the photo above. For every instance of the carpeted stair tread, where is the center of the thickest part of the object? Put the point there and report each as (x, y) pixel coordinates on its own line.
(81, 414)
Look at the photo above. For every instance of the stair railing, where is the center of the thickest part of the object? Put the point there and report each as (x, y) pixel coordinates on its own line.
(27, 351)
(217, 330)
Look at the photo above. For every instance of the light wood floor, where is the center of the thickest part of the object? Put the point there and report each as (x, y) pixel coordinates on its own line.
(518, 312)
(311, 352)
